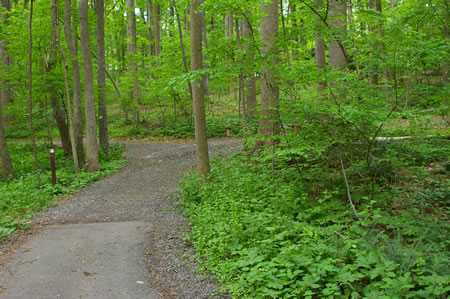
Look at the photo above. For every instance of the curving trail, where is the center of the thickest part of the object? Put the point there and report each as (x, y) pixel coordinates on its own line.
(120, 237)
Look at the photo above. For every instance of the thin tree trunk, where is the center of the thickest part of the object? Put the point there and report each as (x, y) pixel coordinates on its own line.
(229, 30)
(250, 82)
(67, 88)
(132, 51)
(183, 52)
(198, 93)
(6, 59)
(89, 106)
(269, 124)
(77, 113)
(157, 28)
(241, 82)
(30, 88)
(6, 165)
(58, 110)
(319, 50)
(101, 77)
(151, 47)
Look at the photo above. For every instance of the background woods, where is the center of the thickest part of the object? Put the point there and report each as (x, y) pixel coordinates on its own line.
(343, 106)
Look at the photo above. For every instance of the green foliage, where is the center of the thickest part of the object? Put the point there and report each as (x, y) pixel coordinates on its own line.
(30, 190)
(286, 231)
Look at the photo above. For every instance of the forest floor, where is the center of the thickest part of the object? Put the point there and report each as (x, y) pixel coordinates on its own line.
(121, 237)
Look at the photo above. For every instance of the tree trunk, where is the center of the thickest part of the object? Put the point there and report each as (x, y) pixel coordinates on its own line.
(89, 105)
(229, 30)
(241, 81)
(58, 110)
(319, 50)
(30, 88)
(250, 82)
(201, 139)
(132, 51)
(157, 29)
(6, 60)
(55, 27)
(101, 77)
(269, 124)
(183, 52)
(151, 46)
(77, 114)
(337, 53)
(5, 160)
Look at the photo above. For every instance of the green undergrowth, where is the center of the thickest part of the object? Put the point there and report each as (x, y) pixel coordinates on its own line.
(279, 231)
(30, 191)
(216, 127)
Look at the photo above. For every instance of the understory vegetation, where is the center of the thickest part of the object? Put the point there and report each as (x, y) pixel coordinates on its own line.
(281, 226)
(31, 191)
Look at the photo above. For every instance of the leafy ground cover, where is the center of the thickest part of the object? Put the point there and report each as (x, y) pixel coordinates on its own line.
(271, 227)
(30, 190)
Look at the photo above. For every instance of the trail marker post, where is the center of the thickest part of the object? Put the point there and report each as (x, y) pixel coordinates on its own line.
(53, 167)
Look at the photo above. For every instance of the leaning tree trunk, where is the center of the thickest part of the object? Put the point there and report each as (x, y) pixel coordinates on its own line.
(101, 77)
(269, 124)
(77, 113)
(198, 92)
(89, 106)
(59, 113)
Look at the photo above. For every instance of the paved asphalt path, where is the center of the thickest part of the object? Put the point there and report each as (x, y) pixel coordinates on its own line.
(120, 237)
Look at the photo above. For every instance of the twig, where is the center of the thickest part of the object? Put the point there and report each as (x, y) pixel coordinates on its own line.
(348, 188)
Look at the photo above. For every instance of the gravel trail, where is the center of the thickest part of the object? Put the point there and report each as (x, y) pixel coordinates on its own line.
(120, 237)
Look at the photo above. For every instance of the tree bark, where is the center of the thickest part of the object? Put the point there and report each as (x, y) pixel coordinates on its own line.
(132, 51)
(101, 77)
(229, 30)
(250, 81)
(5, 59)
(66, 81)
(58, 110)
(198, 93)
(269, 124)
(337, 53)
(30, 88)
(89, 105)
(6, 165)
(77, 113)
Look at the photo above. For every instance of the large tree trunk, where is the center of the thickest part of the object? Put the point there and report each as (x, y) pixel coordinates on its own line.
(131, 48)
(250, 81)
(101, 77)
(59, 112)
(269, 124)
(319, 49)
(198, 92)
(157, 28)
(89, 105)
(337, 53)
(77, 113)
